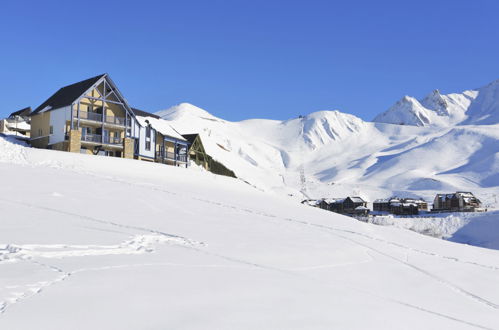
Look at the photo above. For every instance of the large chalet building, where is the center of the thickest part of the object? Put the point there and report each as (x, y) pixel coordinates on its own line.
(93, 117)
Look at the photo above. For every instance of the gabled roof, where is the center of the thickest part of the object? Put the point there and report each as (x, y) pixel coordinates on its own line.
(68, 94)
(357, 199)
(143, 113)
(190, 137)
(23, 112)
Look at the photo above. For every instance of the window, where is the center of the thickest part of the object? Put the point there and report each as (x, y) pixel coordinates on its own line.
(148, 131)
(85, 131)
(148, 145)
(40, 132)
(51, 129)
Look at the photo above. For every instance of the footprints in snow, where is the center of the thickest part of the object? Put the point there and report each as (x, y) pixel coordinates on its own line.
(31, 252)
(136, 245)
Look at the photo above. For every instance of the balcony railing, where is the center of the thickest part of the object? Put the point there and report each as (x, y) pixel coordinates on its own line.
(168, 155)
(102, 118)
(90, 116)
(96, 138)
(115, 120)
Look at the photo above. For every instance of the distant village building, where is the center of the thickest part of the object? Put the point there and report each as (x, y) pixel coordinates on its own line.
(400, 206)
(350, 205)
(461, 201)
(18, 123)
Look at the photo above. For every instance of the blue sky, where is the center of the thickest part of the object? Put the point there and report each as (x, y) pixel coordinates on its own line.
(249, 59)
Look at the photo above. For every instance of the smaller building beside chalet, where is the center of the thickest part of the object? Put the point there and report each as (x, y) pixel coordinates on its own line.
(461, 201)
(18, 123)
(159, 141)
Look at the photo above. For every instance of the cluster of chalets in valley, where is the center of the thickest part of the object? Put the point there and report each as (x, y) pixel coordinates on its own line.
(356, 206)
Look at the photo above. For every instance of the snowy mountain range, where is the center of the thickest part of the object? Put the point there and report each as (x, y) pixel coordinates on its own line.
(479, 106)
(442, 143)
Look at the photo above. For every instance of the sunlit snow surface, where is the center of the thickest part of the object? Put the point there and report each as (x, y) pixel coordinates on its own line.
(90, 242)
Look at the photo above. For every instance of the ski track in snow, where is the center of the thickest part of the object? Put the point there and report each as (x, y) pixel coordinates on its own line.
(412, 266)
(23, 292)
(301, 222)
(138, 244)
(190, 245)
(160, 189)
(27, 253)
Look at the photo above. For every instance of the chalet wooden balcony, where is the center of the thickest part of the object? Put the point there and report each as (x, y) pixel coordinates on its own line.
(164, 156)
(96, 139)
(97, 119)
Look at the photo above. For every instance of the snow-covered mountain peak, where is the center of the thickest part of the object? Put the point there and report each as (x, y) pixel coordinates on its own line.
(436, 102)
(480, 106)
(323, 127)
(407, 111)
(333, 119)
(185, 110)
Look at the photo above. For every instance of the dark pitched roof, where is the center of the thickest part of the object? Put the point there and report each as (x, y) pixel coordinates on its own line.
(23, 112)
(66, 95)
(144, 113)
(190, 137)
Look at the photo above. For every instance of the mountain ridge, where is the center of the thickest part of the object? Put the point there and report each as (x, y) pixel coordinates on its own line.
(331, 153)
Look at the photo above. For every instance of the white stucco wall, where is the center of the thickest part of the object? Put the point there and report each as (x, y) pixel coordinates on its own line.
(142, 142)
(58, 118)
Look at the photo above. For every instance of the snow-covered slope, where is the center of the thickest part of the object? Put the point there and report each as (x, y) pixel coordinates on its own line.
(484, 109)
(333, 154)
(91, 242)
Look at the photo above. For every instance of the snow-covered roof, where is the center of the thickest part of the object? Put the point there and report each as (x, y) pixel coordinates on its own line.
(409, 204)
(311, 202)
(357, 200)
(361, 208)
(162, 126)
(20, 125)
(465, 194)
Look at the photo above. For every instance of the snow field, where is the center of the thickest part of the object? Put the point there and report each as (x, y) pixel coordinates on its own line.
(103, 243)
